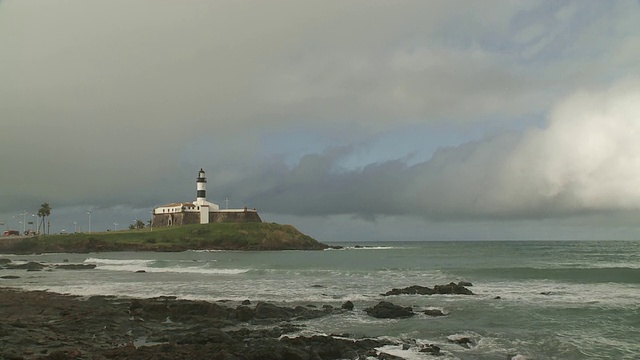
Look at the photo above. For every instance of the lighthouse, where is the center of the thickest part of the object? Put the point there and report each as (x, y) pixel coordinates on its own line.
(201, 197)
(200, 211)
(201, 188)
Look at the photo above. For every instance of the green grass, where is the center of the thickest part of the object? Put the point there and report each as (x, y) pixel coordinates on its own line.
(217, 236)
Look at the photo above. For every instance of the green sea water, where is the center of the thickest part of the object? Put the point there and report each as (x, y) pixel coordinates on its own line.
(533, 299)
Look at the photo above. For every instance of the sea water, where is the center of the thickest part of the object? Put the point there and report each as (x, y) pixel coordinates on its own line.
(533, 300)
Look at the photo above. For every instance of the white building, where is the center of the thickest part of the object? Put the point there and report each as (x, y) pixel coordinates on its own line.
(200, 211)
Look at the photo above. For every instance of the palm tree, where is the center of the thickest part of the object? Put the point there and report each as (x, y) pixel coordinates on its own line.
(45, 211)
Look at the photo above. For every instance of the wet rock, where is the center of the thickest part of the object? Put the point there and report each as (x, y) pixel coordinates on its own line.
(434, 312)
(461, 340)
(5, 261)
(387, 310)
(302, 312)
(430, 349)
(464, 283)
(411, 290)
(385, 356)
(76, 266)
(348, 305)
(327, 308)
(204, 336)
(10, 277)
(246, 302)
(140, 271)
(31, 265)
(244, 313)
(269, 311)
(451, 288)
(112, 328)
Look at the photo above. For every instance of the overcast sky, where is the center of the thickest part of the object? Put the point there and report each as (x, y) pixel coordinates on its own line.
(352, 120)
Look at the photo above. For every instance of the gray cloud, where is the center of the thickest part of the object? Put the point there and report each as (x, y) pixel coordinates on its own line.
(114, 104)
(584, 160)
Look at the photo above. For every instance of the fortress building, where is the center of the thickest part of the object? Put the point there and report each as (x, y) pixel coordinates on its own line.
(200, 211)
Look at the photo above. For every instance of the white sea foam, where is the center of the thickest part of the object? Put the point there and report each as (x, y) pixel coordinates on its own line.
(99, 261)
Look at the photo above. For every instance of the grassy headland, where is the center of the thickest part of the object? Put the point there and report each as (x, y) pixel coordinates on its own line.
(216, 236)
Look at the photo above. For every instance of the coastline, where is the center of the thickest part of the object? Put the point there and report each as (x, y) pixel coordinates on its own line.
(214, 236)
(45, 325)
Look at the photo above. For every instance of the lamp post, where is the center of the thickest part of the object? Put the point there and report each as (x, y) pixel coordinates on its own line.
(115, 226)
(89, 213)
(24, 221)
(75, 227)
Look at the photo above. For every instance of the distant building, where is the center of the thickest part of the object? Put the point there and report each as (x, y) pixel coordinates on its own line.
(200, 211)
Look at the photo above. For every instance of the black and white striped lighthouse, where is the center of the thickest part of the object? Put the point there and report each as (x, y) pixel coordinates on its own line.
(201, 187)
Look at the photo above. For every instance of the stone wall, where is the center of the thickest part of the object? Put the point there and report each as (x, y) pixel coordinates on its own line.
(185, 218)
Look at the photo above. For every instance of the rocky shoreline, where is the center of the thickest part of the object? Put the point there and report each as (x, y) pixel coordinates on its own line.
(46, 325)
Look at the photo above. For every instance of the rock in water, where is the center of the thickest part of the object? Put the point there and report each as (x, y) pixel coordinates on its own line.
(348, 305)
(387, 310)
(433, 312)
(76, 266)
(411, 290)
(452, 288)
(31, 265)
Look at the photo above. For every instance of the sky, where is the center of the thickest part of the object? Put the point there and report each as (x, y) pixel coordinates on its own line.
(351, 120)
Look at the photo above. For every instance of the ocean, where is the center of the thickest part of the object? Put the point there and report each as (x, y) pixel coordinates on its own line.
(533, 299)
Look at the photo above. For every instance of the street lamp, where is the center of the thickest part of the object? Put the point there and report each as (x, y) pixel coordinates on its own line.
(75, 227)
(89, 213)
(115, 226)
(24, 221)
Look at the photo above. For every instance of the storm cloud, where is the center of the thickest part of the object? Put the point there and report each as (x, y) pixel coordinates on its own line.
(438, 111)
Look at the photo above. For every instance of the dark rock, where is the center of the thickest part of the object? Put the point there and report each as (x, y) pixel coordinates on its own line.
(269, 311)
(327, 347)
(302, 312)
(140, 271)
(387, 310)
(9, 277)
(411, 290)
(434, 312)
(31, 265)
(246, 302)
(327, 308)
(244, 313)
(462, 341)
(204, 336)
(464, 283)
(430, 349)
(497, 298)
(5, 261)
(385, 356)
(76, 266)
(348, 305)
(452, 288)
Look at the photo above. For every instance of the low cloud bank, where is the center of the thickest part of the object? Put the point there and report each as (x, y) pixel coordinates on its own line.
(585, 160)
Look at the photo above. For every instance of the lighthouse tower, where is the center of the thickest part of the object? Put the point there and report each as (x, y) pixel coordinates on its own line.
(201, 197)
(201, 188)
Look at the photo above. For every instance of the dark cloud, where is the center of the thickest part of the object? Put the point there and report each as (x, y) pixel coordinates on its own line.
(115, 105)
